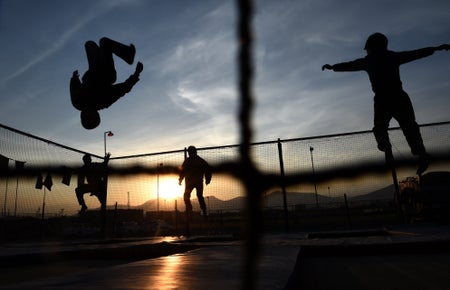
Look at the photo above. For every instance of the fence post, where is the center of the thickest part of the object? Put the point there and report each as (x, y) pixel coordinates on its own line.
(176, 217)
(188, 214)
(349, 220)
(389, 156)
(283, 186)
(114, 225)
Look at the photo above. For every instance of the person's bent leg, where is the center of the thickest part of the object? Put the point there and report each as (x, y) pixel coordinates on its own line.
(101, 196)
(201, 199)
(407, 120)
(380, 128)
(93, 55)
(125, 52)
(187, 198)
(80, 191)
(411, 130)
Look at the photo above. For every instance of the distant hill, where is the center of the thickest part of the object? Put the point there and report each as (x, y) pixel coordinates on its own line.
(273, 199)
(387, 192)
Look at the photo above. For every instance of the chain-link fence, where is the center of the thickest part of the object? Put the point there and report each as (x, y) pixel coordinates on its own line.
(316, 170)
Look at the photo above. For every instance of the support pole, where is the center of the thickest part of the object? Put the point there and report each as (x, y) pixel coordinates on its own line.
(283, 186)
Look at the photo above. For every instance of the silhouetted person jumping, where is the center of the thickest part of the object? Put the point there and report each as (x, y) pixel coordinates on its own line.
(98, 90)
(194, 168)
(390, 101)
(95, 174)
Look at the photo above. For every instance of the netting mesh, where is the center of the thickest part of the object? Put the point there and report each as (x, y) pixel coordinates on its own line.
(154, 186)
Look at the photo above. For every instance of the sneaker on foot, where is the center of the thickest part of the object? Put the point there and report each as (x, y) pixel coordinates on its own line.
(130, 58)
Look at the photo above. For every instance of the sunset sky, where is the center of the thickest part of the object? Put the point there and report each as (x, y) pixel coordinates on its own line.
(187, 92)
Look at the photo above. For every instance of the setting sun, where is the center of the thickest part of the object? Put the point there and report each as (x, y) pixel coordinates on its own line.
(169, 188)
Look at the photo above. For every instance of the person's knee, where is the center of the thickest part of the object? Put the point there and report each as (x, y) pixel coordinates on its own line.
(90, 45)
(104, 41)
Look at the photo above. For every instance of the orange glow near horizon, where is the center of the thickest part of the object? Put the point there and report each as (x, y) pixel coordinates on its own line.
(169, 188)
(142, 188)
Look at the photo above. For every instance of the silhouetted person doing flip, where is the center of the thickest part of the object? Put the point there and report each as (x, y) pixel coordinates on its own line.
(97, 89)
(193, 170)
(390, 100)
(95, 174)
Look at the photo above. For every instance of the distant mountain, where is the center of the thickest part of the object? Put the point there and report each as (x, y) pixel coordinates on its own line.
(385, 193)
(273, 199)
(212, 202)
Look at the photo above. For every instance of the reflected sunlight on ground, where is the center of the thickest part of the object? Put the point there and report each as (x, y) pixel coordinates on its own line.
(167, 276)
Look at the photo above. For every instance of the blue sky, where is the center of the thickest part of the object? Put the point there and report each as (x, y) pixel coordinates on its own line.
(187, 93)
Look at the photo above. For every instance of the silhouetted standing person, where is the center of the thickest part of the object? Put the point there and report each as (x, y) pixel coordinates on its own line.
(98, 90)
(92, 178)
(193, 170)
(390, 101)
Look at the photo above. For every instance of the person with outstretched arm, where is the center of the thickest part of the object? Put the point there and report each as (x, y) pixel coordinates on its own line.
(390, 100)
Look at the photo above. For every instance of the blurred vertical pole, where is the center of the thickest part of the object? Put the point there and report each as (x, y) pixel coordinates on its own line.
(157, 188)
(311, 149)
(4, 164)
(249, 175)
(389, 157)
(42, 216)
(19, 169)
(347, 209)
(187, 213)
(6, 195)
(43, 206)
(104, 211)
(176, 217)
(283, 186)
(17, 192)
(114, 223)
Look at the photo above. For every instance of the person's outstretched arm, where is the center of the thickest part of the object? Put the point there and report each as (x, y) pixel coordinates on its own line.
(355, 65)
(442, 47)
(408, 56)
(76, 91)
(120, 89)
(327, 66)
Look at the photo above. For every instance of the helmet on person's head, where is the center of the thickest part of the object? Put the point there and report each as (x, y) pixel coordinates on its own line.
(90, 119)
(192, 150)
(376, 42)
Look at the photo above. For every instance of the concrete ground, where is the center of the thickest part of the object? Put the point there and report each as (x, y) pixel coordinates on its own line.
(394, 258)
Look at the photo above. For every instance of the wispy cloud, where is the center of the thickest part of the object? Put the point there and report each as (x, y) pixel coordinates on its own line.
(76, 25)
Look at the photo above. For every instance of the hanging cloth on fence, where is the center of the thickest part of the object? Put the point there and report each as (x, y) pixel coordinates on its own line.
(67, 175)
(39, 182)
(48, 182)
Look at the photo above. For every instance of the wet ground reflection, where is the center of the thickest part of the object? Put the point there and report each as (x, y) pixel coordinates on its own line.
(213, 266)
(167, 276)
(195, 269)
